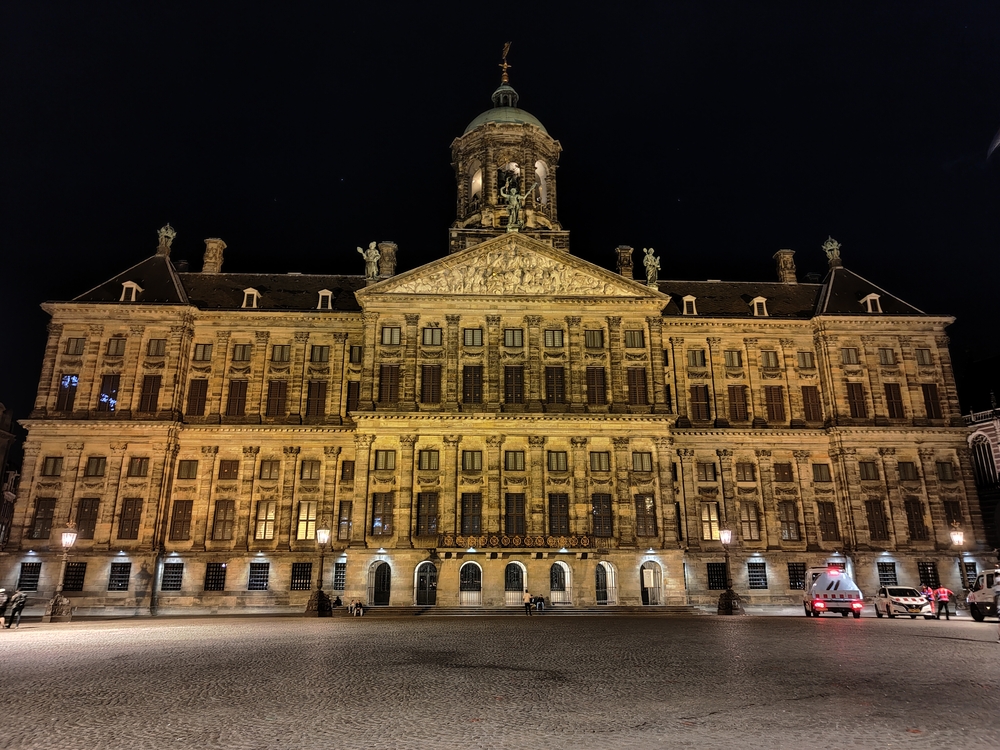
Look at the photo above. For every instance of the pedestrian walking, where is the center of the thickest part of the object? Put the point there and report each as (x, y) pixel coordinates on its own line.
(928, 594)
(17, 603)
(941, 596)
(527, 603)
(4, 599)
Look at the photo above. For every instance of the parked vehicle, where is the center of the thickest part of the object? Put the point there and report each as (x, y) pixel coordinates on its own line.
(902, 600)
(981, 599)
(832, 590)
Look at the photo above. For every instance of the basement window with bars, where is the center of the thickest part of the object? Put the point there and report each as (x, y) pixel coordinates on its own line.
(118, 579)
(215, 576)
(28, 579)
(796, 576)
(716, 576)
(757, 575)
(259, 573)
(928, 574)
(339, 576)
(301, 576)
(75, 574)
(173, 575)
(887, 574)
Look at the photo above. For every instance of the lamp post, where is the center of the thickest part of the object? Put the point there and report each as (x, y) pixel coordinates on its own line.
(958, 539)
(729, 600)
(319, 603)
(59, 608)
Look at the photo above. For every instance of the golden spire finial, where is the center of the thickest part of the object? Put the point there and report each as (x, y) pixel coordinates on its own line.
(503, 66)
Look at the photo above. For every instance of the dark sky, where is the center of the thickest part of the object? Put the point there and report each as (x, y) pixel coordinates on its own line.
(715, 132)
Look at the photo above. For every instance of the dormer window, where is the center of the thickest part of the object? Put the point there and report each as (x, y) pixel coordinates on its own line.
(325, 300)
(130, 292)
(689, 305)
(871, 303)
(759, 305)
(250, 297)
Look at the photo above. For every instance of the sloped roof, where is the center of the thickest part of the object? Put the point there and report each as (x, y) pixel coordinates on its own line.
(733, 298)
(155, 276)
(844, 290)
(224, 291)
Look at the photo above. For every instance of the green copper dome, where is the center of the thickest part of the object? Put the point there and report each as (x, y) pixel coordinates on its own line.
(505, 110)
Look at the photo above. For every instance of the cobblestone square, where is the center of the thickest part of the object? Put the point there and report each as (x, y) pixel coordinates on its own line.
(500, 682)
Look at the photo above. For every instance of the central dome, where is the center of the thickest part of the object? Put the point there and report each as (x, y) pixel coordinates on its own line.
(505, 110)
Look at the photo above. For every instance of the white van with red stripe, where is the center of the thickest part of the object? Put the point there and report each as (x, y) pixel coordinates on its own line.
(982, 596)
(832, 590)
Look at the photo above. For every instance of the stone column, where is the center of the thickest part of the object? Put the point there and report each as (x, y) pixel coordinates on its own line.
(47, 383)
(535, 491)
(297, 377)
(114, 474)
(90, 381)
(327, 510)
(255, 388)
(534, 362)
(793, 396)
(624, 526)
(729, 510)
(656, 365)
(404, 500)
(25, 500)
(337, 370)
(244, 501)
(362, 467)
(967, 479)
(804, 471)
(772, 523)
(492, 501)
(616, 352)
(689, 495)
(680, 384)
(577, 395)
(898, 523)
(663, 461)
(367, 400)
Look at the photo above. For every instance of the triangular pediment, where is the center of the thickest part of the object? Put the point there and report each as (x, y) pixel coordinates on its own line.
(513, 265)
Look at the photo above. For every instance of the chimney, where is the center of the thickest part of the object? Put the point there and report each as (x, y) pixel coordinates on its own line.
(212, 262)
(624, 260)
(387, 259)
(786, 266)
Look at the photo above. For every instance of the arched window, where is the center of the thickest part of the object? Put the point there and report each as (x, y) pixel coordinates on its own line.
(606, 584)
(542, 176)
(560, 583)
(470, 585)
(983, 462)
(426, 584)
(514, 584)
(651, 582)
(475, 183)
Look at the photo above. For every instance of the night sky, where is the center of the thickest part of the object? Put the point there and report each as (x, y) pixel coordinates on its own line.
(715, 132)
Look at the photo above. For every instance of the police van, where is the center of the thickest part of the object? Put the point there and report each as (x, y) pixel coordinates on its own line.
(831, 590)
(981, 599)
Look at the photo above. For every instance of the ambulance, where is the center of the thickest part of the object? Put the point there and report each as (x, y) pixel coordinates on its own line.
(830, 589)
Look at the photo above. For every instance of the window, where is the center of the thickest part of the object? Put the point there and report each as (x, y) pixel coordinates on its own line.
(513, 460)
(390, 335)
(138, 467)
(382, 514)
(796, 576)
(76, 572)
(757, 575)
(75, 346)
(427, 513)
(355, 356)
(319, 353)
(107, 400)
(734, 358)
(339, 576)
(893, 401)
(699, 403)
(868, 470)
(472, 512)
(557, 461)
(52, 466)
(316, 398)
(472, 460)
(513, 337)
(128, 523)
(156, 348)
(266, 511)
(347, 471)
(309, 470)
(236, 406)
(696, 357)
(427, 460)
(472, 336)
(67, 392)
(431, 337)
(555, 385)
(666, 358)
(597, 392)
(250, 297)
(932, 405)
(774, 399)
(95, 466)
(514, 515)
(241, 352)
(811, 410)
(806, 360)
(716, 576)
(828, 529)
(173, 576)
(277, 396)
(635, 339)
(821, 473)
(225, 516)
(928, 574)
(472, 384)
(924, 357)
(202, 352)
(229, 469)
(945, 471)
(645, 515)
(601, 503)
(690, 308)
(915, 519)
(554, 337)
(872, 304)
(878, 530)
(642, 461)
(388, 384)
(116, 347)
(180, 522)
(593, 339)
(197, 397)
(745, 472)
(187, 469)
(86, 517)
(430, 384)
(769, 359)
(385, 460)
(788, 515)
(886, 357)
(301, 576)
(344, 520)
(887, 574)
(559, 514)
(856, 400)
(849, 356)
(28, 578)
(150, 396)
(637, 393)
(119, 576)
(907, 471)
(513, 384)
(601, 461)
(968, 574)
(738, 403)
(45, 509)
(268, 470)
(281, 352)
(783, 473)
(710, 521)
(215, 576)
(306, 526)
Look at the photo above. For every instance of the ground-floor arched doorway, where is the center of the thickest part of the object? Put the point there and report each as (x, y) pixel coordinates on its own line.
(470, 585)
(379, 584)
(514, 584)
(651, 583)
(606, 584)
(560, 583)
(426, 584)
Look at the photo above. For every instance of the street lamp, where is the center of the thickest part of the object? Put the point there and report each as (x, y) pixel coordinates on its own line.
(729, 601)
(319, 603)
(59, 608)
(958, 539)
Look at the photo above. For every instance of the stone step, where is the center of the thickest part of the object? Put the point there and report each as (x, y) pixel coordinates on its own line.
(631, 611)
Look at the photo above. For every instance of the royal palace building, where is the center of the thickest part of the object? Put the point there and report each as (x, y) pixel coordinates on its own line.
(508, 417)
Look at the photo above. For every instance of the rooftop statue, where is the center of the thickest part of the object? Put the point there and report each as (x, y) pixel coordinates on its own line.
(166, 234)
(832, 249)
(515, 201)
(371, 256)
(652, 265)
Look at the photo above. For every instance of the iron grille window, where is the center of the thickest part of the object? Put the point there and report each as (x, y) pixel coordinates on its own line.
(811, 410)
(472, 460)
(344, 520)
(432, 337)
(119, 576)
(601, 504)
(187, 469)
(638, 394)
(266, 511)
(339, 576)
(95, 466)
(969, 571)
(52, 466)
(557, 461)
(388, 384)
(390, 335)
(427, 460)
(225, 515)
(597, 391)
(554, 337)
(75, 346)
(301, 576)
(316, 398)
(513, 337)
(173, 576)
(716, 576)
(915, 519)
(236, 405)
(821, 473)
(555, 385)
(472, 512)
(757, 575)
(878, 530)
(887, 574)
(600, 461)
(356, 355)
(513, 384)
(259, 573)
(86, 517)
(749, 522)
(593, 339)
(268, 470)
(923, 356)
(229, 469)
(806, 360)
(907, 471)
(738, 403)
(788, 515)
(769, 359)
(116, 347)
(645, 515)
(513, 460)
(894, 401)
(558, 514)
(472, 384)
(472, 336)
(427, 513)
(945, 471)
(696, 357)
(215, 576)
(828, 528)
(180, 523)
(197, 397)
(138, 467)
(783, 472)
(557, 578)
(319, 353)
(149, 398)
(642, 461)
(382, 514)
(635, 339)
(107, 400)
(430, 384)
(470, 578)
(385, 460)
(128, 524)
(514, 515)
(310, 470)
(746, 472)
(928, 574)
(796, 576)
(67, 392)
(856, 400)
(734, 358)
(28, 578)
(202, 352)
(347, 471)
(281, 353)
(774, 396)
(699, 403)
(868, 470)
(75, 574)
(277, 398)
(706, 472)
(306, 527)
(710, 521)
(241, 352)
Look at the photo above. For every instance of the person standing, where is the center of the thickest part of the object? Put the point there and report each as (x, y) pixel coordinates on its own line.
(17, 603)
(4, 601)
(527, 603)
(928, 594)
(996, 602)
(941, 596)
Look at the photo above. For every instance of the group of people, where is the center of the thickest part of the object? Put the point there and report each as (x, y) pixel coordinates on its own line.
(533, 602)
(16, 604)
(939, 599)
(356, 608)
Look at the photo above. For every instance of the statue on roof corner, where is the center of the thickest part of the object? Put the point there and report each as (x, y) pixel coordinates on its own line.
(371, 256)
(166, 234)
(832, 249)
(652, 264)
(515, 202)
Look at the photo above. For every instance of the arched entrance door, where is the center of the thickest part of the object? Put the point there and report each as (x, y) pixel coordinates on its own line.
(605, 584)
(381, 582)
(650, 581)
(513, 585)
(470, 585)
(427, 582)
(560, 584)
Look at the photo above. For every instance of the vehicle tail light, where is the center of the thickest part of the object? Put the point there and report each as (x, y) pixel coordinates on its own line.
(818, 605)
(857, 605)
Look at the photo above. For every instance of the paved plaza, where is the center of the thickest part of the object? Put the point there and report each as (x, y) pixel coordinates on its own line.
(501, 682)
